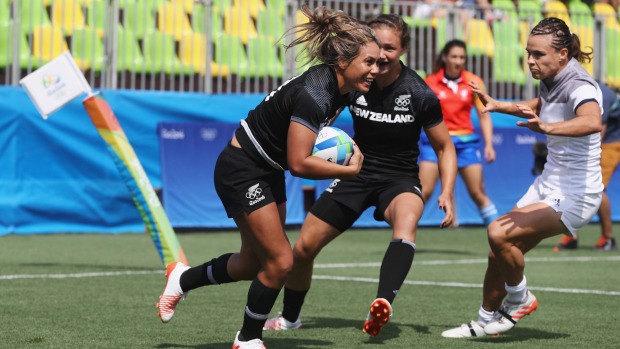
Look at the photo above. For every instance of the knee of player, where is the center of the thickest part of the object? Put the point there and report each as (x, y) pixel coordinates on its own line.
(280, 267)
(304, 253)
(496, 235)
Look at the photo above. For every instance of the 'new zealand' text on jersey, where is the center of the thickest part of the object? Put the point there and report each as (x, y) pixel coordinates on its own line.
(311, 99)
(387, 124)
(573, 163)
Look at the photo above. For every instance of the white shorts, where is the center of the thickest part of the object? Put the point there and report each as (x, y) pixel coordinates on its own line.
(577, 208)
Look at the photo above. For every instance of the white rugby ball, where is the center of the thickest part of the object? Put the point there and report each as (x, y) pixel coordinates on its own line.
(333, 145)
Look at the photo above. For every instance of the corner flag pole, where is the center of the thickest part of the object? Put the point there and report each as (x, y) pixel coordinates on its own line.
(60, 81)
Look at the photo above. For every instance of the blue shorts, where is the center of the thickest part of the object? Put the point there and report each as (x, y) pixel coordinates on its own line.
(467, 150)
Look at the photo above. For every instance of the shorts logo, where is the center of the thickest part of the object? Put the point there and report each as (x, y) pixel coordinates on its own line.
(557, 202)
(332, 185)
(417, 190)
(254, 194)
(402, 102)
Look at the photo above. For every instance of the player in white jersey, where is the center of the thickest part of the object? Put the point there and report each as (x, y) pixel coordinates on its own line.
(566, 195)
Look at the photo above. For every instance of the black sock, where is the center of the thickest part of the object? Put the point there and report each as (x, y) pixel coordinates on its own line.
(293, 301)
(260, 301)
(214, 272)
(394, 268)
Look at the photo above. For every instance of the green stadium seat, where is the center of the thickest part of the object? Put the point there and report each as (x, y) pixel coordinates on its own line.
(34, 14)
(581, 14)
(129, 54)
(229, 51)
(220, 6)
(5, 12)
(96, 16)
(139, 17)
(7, 36)
(530, 13)
(87, 49)
(264, 58)
(508, 8)
(199, 24)
(506, 62)
(612, 57)
(270, 25)
(254, 7)
(276, 5)
(160, 53)
(608, 13)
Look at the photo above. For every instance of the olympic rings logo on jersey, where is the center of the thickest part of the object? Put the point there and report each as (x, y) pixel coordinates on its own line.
(403, 101)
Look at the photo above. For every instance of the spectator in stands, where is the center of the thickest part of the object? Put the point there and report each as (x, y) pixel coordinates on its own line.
(565, 196)
(450, 82)
(388, 180)
(464, 11)
(610, 158)
(279, 135)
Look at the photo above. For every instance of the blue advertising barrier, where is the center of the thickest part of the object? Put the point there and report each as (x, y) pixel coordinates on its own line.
(188, 155)
(57, 177)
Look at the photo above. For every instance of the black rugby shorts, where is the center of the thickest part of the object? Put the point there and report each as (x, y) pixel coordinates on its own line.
(244, 185)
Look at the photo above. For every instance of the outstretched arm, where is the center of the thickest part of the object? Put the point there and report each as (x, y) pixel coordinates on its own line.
(511, 108)
(587, 121)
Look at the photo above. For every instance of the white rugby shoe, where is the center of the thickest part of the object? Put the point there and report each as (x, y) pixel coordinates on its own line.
(279, 323)
(172, 292)
(509, 313)
(253, 344)
(472, 329)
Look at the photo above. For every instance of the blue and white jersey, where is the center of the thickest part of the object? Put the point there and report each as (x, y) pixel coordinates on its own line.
(573, 163)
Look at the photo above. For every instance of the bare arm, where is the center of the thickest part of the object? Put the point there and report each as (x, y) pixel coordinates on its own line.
(486, 127)
(511, 108)
(587, 121)
(300, 142)
(446, 155)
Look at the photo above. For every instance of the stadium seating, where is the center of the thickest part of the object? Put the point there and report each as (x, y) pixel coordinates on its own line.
(607, 12)
(276, 5)
(172, 19)
(270, 24)
(264, 58)
(139, 17)
(220, 6)
(34, 15)
(129, 54)
(6, 46)
(193, 53)
(199, 22)
(254, 7)
(96, 16)
(5, 12)
(238, 22)
(480, 39)
(67, 15)
(160, 53)
(557, 9)
(47, 43)
(530, 13)
(229, 50)
(87, 49)
(581, 14)
(508, 53)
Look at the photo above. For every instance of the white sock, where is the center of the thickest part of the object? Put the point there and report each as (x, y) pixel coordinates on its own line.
(516, 294)
(484, 317)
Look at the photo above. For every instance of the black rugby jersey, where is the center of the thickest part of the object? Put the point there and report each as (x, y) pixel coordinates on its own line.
(387, 124)
(311, 99)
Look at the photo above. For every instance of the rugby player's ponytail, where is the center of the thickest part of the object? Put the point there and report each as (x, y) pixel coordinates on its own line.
(329, 36)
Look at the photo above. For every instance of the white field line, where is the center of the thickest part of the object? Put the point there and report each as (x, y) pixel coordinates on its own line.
(369, 280)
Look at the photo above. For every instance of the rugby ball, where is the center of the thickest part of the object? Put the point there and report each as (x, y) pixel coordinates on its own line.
(333, 145)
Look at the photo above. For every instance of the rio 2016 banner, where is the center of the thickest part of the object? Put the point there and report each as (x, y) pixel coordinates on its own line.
(142, 192)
